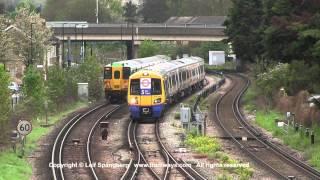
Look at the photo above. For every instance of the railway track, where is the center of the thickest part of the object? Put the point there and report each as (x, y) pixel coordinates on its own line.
(267, 154)
(72, 145)
(169, 162)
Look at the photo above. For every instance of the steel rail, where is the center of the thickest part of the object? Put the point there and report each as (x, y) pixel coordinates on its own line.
(60, 142)
(53, 154)
(106, 115)
(131, 163)
(240, 117)
(194, 175)
(237, 142)
(153, 173)
(163, 152)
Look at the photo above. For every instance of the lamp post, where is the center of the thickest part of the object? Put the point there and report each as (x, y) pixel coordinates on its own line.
(31, 45)
(130, 53)
(63, 63)
(97, 11)
(82, 50)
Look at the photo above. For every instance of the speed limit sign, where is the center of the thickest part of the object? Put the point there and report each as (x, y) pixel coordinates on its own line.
(24, 127)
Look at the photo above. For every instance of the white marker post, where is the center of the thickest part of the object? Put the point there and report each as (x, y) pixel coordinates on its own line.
(24, 128)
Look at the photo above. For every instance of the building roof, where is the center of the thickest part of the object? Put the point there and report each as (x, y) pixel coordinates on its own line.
(212, 20)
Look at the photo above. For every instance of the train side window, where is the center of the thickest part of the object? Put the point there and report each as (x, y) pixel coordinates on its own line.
(174, 80)
(116, 75)
(108, 73)
(166, 85)
(156, 86)
(184, 75)
(126, 72)
(135, 87)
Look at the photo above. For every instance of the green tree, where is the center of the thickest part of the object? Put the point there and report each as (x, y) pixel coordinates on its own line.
(154, 11)
(243, 22)
(198, 7)
(6, 41)
(57, 87)
(168, 49)
(148, 48)
(130, 12)
(293, 31)
(91, 72)
(30, 27)
(82, 10)
(5, 101)
(34, 91)
(205, 47)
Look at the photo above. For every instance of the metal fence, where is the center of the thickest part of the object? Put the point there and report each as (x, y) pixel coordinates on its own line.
(208, 90)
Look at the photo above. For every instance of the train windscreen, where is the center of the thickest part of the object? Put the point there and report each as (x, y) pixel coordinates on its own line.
(107, 73)
(116, 75)
(156, 86)
(135, 86)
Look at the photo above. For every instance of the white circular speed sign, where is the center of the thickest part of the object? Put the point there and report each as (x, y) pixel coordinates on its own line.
(24, 127)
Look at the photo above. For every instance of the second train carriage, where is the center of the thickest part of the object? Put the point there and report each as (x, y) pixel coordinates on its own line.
(151, 89)
(116, 75)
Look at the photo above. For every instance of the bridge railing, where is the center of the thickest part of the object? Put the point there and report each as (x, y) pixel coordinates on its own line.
(138, 25)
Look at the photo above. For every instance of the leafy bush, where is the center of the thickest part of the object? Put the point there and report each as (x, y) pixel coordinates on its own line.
(293, 77)
(273, 79)
(148, 48)
(59, 87)
(203, 144)
(205, 47)
(4, 99)
(169, 49)
(91, 72)
(34, 90)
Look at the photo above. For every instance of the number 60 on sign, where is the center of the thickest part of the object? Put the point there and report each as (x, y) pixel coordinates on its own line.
(24, 127)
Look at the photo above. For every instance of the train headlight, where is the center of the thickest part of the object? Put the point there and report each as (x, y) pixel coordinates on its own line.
(157, 101)
(134, 101)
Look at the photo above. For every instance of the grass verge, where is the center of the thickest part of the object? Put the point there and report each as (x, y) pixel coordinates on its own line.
(294, 139)
(14, 168)
(211, 148)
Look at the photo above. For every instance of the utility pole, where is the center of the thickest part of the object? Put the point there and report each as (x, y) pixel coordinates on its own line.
(97, 11)
(31, 48)
(63, 63)
(132, 42)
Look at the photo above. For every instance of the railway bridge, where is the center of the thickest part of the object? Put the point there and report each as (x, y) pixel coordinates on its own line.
(134, 34)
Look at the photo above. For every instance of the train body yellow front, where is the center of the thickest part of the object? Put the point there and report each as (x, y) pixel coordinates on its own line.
(152, 88)
(116, 75)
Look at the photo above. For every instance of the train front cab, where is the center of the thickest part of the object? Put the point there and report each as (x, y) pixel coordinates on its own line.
(146, 96)
(116, 80)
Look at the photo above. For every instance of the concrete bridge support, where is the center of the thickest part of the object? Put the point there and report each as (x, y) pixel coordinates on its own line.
(132, 50)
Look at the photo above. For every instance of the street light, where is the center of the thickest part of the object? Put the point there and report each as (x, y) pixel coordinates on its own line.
(63, 64)
(82, 52)
(97, 11)
(31, 48)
